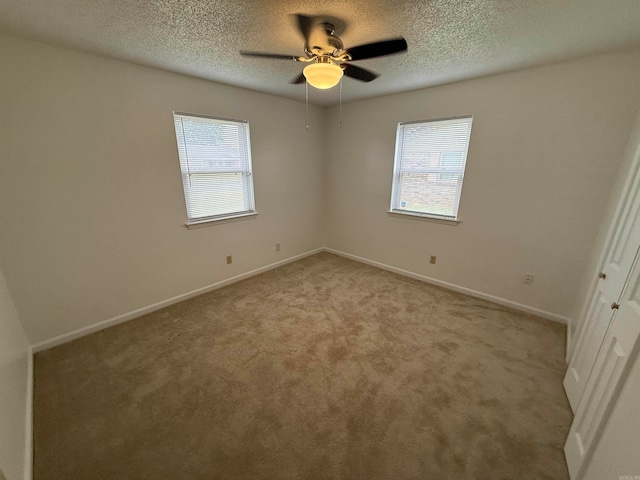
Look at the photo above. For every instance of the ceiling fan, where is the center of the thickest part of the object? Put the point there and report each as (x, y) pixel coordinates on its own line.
(327, 57)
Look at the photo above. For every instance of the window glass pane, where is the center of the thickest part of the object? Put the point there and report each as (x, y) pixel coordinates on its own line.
(452, 160)
(429, 192)
(216, 194)
(215, 160)
(429, 166)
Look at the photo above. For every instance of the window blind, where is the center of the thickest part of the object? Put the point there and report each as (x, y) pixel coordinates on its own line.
(429, 166)
(215, 160)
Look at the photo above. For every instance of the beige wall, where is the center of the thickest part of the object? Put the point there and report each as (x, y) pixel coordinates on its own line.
(13, 388)
(92, 211)
(545, 149)
(92, 214)
(91, 205)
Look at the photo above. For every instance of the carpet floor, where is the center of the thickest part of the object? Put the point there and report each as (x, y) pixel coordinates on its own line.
(325, 368)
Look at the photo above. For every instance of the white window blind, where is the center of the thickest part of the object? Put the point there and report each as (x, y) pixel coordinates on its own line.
(429, 167)
(215, 160)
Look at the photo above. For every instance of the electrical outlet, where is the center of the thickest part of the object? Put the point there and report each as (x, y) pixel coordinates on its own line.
(229, 259)
(432, 260)
(277, 247)
(527, 279)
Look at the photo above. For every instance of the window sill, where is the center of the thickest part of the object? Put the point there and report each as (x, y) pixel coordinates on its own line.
(214, 221)
(425, 216)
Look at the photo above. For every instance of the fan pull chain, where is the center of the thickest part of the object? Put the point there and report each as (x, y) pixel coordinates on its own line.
(306, 96)
(340, 121)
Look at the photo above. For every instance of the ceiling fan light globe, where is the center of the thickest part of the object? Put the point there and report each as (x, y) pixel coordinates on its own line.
(322, 75)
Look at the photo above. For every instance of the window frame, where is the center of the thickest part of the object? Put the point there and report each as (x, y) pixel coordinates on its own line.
(248, 190)
(397, 171)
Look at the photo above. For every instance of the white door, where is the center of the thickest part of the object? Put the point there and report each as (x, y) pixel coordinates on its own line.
(613, 277)
(613, 361)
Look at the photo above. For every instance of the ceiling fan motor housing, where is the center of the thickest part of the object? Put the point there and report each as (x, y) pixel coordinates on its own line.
(322, 41)
(325, 53)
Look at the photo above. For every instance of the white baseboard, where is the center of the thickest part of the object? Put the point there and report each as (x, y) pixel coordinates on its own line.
(81, 332)
(457, 288)
(28, 444)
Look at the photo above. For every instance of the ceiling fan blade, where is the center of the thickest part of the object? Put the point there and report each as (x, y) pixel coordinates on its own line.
(299, 79)
(359, 73)
(305, 24)
(267, 55)
(378, 49)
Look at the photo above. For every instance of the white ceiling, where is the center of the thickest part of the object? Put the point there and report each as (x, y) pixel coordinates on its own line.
(448, 40)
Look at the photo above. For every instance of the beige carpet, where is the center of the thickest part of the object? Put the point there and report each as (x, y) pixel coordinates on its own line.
(322, 369)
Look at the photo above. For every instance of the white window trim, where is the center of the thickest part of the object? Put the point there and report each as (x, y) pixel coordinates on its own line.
(445, 219)
(426, 216)
(248, 192)
(213, 221)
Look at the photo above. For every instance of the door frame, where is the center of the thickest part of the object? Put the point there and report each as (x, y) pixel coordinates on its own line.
(630, 187)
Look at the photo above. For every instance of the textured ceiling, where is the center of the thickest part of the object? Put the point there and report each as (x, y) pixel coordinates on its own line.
(448, 40)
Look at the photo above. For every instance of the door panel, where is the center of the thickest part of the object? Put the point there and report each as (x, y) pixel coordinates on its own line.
(594, 331)
(617, 266)
(620, 345)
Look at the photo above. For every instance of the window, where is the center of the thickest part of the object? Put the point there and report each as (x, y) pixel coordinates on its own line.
(215, 159)
(429, 167)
